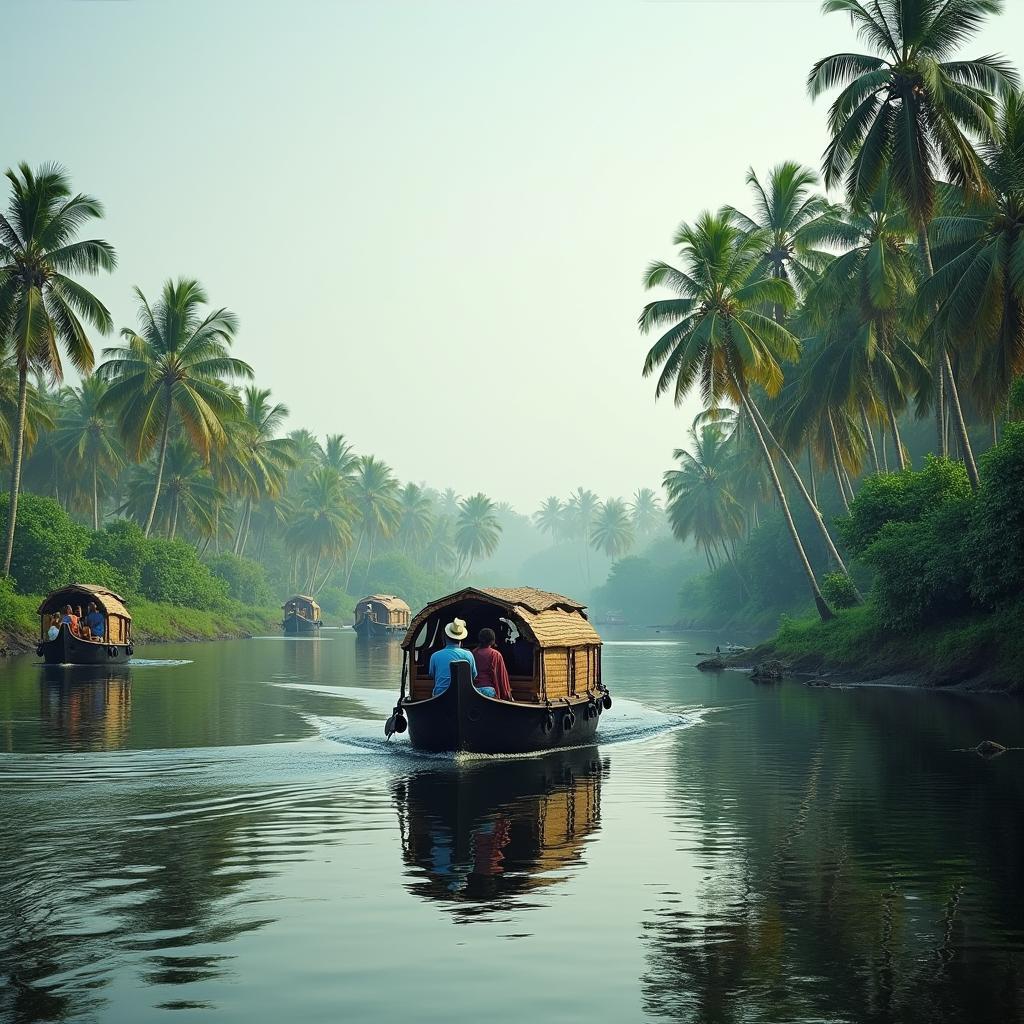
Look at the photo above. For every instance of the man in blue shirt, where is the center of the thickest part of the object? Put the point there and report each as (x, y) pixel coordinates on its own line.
(94, 620)
(441, 661)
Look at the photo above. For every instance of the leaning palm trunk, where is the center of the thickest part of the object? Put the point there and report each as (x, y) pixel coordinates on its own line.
(870, 436)
(937, 374)
(811, 504)
(819, 601)
(897, 441)
(95, 499)
(159, 466)
(16, 457)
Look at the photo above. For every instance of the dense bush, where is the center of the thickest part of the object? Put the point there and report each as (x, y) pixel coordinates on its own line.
(337, 605)
(123, 546)
(173, 573)
(839, 590)
(900, 498)
(246, 580)
(997, 542)
(47, 544)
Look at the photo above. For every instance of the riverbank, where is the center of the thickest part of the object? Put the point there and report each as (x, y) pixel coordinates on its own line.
(152, 622)
(977, 652)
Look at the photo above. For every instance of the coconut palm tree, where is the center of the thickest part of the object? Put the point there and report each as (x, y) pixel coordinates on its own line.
(38, 412)
(477, 531)
(42, 305)
(322, 525)
(719, 340)
(375, 497)
(701, 501)
(910, 110)
(338, 455)
(173, 370)
(86, 439)
(267, 458)
(977, 294)
(550, 518)
(191, 493)
(416, 517)
(791, 221)
(646, 510)
(875, 279)
(613, 531)
(439, 553)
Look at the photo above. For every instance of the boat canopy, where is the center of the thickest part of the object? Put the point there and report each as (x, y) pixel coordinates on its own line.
(550, 648)
(385, 609)
(302, 604)
(119, 620)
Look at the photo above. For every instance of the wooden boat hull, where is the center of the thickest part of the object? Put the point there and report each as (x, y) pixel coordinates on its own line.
(463, 719)
(296, 625)
(369, 629)
(68, 649)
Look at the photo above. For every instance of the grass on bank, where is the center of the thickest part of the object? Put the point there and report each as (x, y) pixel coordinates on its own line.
(983, 650)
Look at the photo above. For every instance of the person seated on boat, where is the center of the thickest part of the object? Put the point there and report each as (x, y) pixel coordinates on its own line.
(54, 631)
(70, 619)
(84, 633)
(440, 669)
(491, 674)
(94, 620)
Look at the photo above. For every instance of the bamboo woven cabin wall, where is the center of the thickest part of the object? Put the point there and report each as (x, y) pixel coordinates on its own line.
(566, 648)
(387, 609)
(119, 619)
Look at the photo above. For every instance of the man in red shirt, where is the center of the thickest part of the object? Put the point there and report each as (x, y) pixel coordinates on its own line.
(490, 666)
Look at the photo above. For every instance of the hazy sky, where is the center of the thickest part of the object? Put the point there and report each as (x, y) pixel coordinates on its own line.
(431, 217)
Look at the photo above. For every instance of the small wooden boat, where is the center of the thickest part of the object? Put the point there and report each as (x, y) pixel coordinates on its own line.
(301, 616)
(381, 615)
(553, 657)
(69, 649)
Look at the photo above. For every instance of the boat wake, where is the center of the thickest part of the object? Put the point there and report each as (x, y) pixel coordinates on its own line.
(627, 721)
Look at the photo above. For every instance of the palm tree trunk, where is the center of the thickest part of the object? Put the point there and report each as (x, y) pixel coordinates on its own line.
(810, 475)
(937, 374)
(95, 500)
(355, 555)
(836, 471)
(812, 505)
(16, 457)
(959, 423)
(819, 600)
(174, 516)
(995, 428)
(870, 436)
(159, 465)
(847, 481)
(897, 440)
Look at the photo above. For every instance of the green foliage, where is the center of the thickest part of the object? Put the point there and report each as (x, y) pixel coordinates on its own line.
(839, 589)
(337, 605)
(173, 574)
(123, 546)
(922, 569)
(246, 580)
(48, 544)
(396, 573)
(642, 590)
(997, 543)
(900, 498)
(1015, 401)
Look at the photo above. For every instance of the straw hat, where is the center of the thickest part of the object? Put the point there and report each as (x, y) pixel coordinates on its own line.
(456, 629)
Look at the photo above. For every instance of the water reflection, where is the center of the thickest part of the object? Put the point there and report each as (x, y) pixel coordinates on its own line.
(850, 871)
(86, 707)
(482, 836)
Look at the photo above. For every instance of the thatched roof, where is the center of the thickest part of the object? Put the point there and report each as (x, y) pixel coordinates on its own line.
(302, 599)
(550, 619)
(76, 593)
(389, 601)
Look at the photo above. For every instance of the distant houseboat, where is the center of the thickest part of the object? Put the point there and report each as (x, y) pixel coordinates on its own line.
(553, 657)
(381, 615)
(70, 648)
(301, 616)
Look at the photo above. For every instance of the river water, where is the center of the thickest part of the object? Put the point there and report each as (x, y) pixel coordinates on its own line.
(219, 832)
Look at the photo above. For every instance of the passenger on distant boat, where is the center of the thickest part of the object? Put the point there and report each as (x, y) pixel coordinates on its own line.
(94, 620)
(53, 632)
(70, 619)
(490, 667)
(440, 669)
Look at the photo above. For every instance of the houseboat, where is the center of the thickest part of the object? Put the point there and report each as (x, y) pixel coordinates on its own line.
(553, 657)
(71, 647)
(301, 616)
(381, 615)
